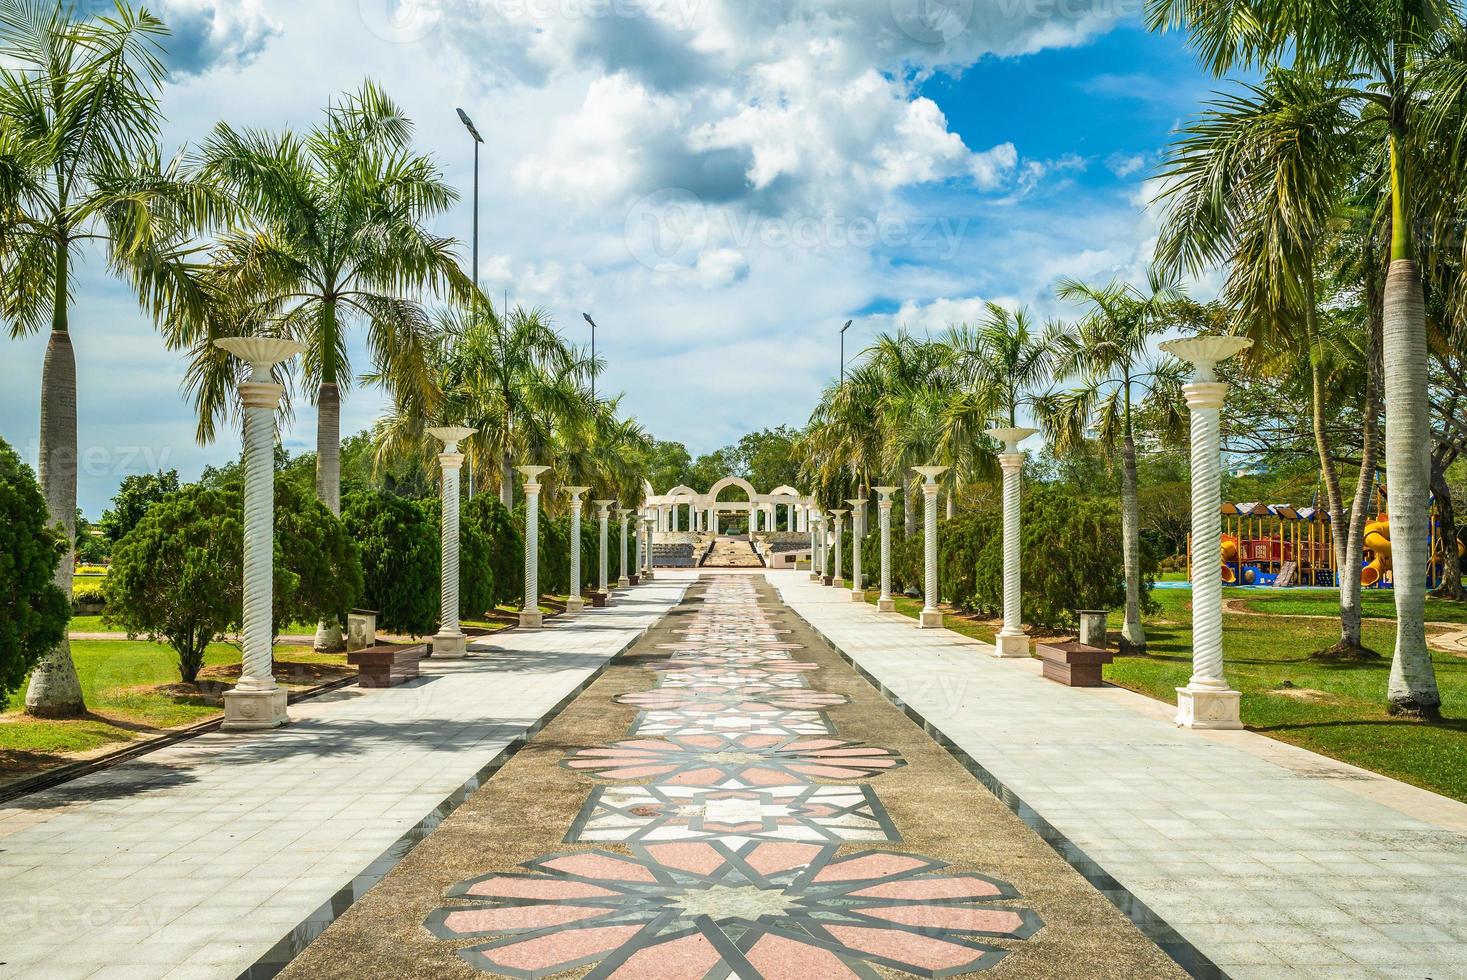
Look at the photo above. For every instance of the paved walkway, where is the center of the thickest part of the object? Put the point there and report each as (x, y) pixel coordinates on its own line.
(731, 800)
(194, 861)
(1272, 861)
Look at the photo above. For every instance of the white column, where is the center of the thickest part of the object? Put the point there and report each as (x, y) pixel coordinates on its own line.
(450, 642)
(1207, 701)
(603, 516)
(530, 616)
(1012, 640)
(256, 701)
(648, 574)
(815, 573)
(623, 581)
(885, 603)
(931, 615)
(637, 539)
(574, 603)
(858, 537)
(840, 526)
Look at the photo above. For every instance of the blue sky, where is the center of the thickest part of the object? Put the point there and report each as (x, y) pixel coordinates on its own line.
(722, 183)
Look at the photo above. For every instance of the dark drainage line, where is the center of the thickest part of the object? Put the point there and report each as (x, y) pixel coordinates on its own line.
(1152, 926)
(65, 774)
(278, 957)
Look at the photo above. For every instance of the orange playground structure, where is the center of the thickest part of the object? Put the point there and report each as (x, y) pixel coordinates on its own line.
(1280, 545)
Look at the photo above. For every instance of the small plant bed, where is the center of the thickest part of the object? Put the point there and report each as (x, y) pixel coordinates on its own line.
(133, 692)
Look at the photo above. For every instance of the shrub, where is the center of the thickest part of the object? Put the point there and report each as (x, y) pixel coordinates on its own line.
(87, 591)
(475, 562)
(178, 574)
(505, 551)
(33, 608)
(397, 539)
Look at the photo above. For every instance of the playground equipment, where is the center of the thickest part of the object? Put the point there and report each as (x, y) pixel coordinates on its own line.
(1281, 545)
(1378, 543)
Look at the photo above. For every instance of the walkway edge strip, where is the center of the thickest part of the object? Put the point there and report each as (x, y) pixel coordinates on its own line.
(293, 943)
(1187, 956)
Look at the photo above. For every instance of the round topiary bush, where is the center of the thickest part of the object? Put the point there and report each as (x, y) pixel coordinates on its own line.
(33, 608)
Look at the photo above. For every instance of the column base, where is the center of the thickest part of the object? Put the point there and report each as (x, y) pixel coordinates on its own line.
(647, 575)
(839, 583)
(931, 619)
(623, 583)
(858, 595)
(450, 646)
(575, 604)
(253, 711)
(1011, 645)
(532, 620)
(815, 576)
(1209, 709)
(886, 605)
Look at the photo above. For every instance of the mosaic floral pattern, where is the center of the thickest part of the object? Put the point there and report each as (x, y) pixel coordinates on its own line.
(763, 909)
(734, 795)
(748, 760)
(797, 812)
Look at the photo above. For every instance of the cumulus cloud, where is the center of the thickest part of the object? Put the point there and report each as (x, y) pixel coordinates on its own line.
(211, 33)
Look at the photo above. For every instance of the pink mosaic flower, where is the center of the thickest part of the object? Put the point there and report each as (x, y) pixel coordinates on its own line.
(713, 697)
(751, 760)
(755, 660)
(765, 909)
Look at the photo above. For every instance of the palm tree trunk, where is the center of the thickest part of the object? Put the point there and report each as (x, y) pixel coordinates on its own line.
(1350, 636)
(1413, 689)
(55, 691)
(329, 638)
(951, 509)
(1450, 586)
(1133, 634)
(506, 480)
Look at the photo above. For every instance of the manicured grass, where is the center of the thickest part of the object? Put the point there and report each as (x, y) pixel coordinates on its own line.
(912, 609)
(125, 684)
(1375, 603)
(1172, 577)
(1335, 709)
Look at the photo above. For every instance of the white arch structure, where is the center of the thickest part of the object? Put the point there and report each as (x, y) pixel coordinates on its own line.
(684, 509)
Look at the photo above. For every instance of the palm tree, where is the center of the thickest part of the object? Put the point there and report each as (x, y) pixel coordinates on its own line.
(1267, 181)
(79, 163)
(1397, 68)
(993, 371)
(1108, 352)
(339, 239)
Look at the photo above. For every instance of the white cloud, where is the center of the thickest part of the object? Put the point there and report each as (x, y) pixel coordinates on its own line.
(1125, 165)
(211, 33)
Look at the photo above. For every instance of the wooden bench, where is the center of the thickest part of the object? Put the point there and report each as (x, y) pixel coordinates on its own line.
(387, 664)
(1074, 664)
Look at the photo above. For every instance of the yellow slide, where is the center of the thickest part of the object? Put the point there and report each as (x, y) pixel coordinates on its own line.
(1378, 542)
(1229, 555)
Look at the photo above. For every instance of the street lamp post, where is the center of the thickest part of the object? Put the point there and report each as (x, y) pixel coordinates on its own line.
(843, 350)
(478, 141)
(574, 603)
(450, 642)
(530, 616)
(1011, 640)
(931, 616)
(592, 322)
(858, 537)
(1208, 701)
(256, 701)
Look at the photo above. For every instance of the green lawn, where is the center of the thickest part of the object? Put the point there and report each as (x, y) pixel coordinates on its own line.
(1336, 710)
(1376, 603)
(121, 681)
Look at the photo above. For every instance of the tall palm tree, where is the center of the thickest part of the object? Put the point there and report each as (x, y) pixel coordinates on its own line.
(1108, 352)
(339, 239)
(1397, 66)
(1268, 182)
(994, 370)
(79, 103)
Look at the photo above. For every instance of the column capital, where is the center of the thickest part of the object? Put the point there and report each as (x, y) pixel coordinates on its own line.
(886, 492)
(1010, 437)
(930, 490)
(930, 473)
(1011, 462)
(1205, 394)
(451, 435)
(576, 492)
(451, 461)
(261, 394)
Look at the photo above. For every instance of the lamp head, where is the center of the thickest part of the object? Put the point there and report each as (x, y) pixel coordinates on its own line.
(469, 125)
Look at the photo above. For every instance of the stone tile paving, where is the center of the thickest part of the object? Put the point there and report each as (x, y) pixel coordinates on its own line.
(742, 850)
(196, 859)
(1269, 869)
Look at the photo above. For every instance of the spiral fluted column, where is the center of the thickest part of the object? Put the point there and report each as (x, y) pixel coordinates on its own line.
(885, 603)
(603, 518)
(574, 603)
(1207, 701)
(808, 517)
(931, 617)
(530, 616)
(840, 525)
(257, 702)
(1012, 641)
(858, 538)
(623, 581)
(649, 527)
(450, 642)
